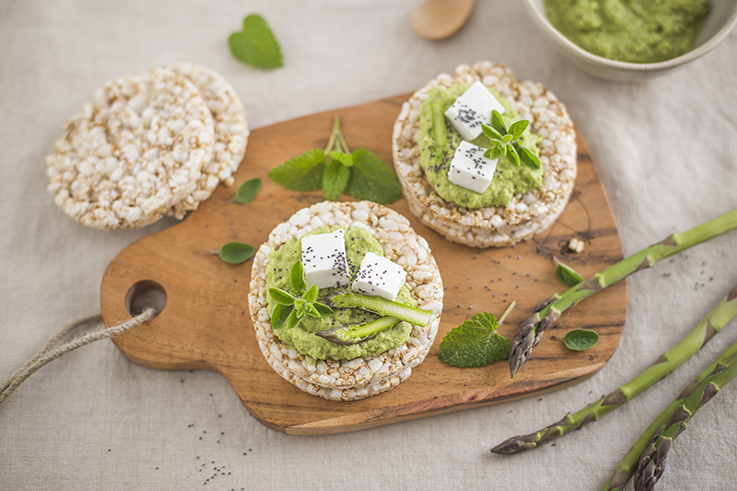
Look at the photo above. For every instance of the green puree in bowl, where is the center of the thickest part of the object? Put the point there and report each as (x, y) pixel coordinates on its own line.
(636, 31)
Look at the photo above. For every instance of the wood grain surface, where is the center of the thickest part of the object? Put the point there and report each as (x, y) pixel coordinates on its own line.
(206, 324)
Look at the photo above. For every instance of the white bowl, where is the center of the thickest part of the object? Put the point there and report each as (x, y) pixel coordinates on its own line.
(721, 19)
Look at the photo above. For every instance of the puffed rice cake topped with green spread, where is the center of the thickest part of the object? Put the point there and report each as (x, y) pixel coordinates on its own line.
(525, 214)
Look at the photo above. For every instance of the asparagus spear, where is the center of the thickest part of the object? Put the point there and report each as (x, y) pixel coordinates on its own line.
(546, 313)
(705, 385)
(356, 334)
(711, 324)
(384, 307)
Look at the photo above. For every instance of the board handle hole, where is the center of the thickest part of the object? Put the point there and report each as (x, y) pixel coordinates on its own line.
(145, 294)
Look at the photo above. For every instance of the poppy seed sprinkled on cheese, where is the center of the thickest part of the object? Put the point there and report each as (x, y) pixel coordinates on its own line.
(379, 277)
(324, 260)
(472, 109)
(470, 169)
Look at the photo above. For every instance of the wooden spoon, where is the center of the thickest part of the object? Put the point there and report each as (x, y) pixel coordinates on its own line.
(438, 19)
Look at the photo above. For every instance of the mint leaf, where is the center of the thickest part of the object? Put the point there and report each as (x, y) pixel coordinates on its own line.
(237, 252)
(248, 191)
(335, 179)
(580, 339)
(372, 180)
(344, 158)
(475, 343)
(256, 45)
(303, 173)
(567, 275)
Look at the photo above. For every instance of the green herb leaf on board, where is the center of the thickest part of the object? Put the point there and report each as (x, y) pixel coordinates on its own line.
(248, 191)
(580, 339)
(475, 343)
(372, 180)
(302, 173)
(567, 275)
(236, 252)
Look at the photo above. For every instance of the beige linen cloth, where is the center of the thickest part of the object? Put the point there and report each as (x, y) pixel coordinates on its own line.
(664, 151)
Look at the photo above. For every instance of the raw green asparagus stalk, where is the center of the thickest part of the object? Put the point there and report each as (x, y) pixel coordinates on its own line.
(652, 461)
(546, 313)
(653, 445)
(384, 307)
(711, 324)
(356, 334)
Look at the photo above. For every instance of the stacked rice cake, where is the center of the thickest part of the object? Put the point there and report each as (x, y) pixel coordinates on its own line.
(358, 378)
(148, 145)
(526, 214)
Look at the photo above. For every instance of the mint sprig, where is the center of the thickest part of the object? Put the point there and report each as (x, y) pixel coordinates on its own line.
(506, 141)
(256, 45)
(336, 170)
(295, 305)
(476, 342)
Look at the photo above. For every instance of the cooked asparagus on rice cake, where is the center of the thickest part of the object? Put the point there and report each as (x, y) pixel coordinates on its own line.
(483, 159)
(345, 299)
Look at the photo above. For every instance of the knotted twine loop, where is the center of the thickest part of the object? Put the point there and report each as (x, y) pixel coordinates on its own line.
(48, 353)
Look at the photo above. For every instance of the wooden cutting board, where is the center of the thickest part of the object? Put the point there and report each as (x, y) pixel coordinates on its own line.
(206, 324)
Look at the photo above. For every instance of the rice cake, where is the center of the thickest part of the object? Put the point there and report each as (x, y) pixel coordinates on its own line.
(358, 378)
(526, 214)
(230, 127)
(134, 153)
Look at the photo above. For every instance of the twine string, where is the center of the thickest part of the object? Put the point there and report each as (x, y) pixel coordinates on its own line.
(49, 353)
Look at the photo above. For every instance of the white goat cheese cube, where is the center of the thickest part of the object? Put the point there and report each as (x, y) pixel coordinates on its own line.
(471, 109)
(470, 169)
(324, 260)
(379, 277)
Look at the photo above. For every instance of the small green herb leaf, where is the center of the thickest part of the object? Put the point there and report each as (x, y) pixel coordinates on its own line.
(580, 339)
(372, 180)
(256, 45)
(518, 128)
(281, 296)
(507, 138)
(567, 275)
(303, 173)
(311, 294)
(344, 158)
(311, 310)
(528, 157)
(498, 123)
(248, 191)
(236, 252)
(475, 343)
(335, 179)
(292, 320)
(322, 309)
(297, 277)
(491, 133)
(493, 153)
(512, 156)
(280, 315)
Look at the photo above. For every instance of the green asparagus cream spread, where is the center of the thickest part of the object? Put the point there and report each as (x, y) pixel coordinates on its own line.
(637, 31)
(508, 179)
(302, 338)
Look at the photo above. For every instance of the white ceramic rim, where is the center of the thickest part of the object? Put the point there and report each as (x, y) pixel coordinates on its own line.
(636, 67)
